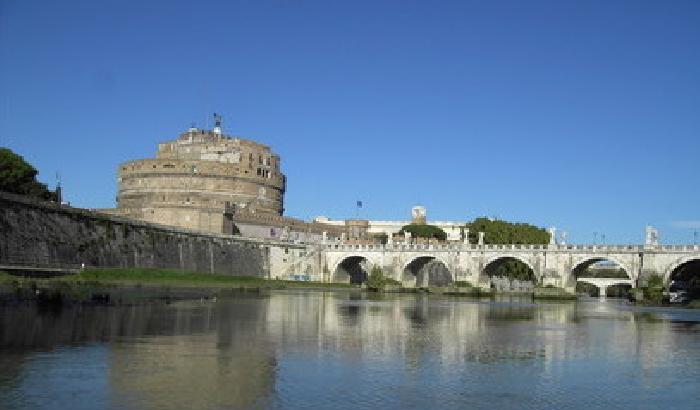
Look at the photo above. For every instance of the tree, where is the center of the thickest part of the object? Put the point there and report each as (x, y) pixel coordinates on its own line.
(503, 232)
(376, 279)
(19, 177)
(514, 269)
(654, 290)
(424, 231)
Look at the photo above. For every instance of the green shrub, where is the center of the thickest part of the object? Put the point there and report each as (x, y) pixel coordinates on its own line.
(503, 232)
(376, 279)
(462, 284)
(654, 291)
(425, 231)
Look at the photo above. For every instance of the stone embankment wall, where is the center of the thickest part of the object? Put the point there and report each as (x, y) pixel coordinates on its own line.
(40, 234)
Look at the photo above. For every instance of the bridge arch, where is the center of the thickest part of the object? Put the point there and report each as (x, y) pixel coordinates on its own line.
(684, 275)
(602, 283)
(353, 269)
(426, 270)
(585, 262)
(509, 256)
(517, 279)
(677, 264)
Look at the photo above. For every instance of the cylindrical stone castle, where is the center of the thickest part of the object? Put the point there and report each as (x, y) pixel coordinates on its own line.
(199, 179)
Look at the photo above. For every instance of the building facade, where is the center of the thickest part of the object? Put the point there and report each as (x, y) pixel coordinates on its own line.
(357, 229)
(200, 180)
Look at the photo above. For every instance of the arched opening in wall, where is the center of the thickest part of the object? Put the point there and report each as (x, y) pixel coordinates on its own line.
(602, 276)
(353, 269)
(427, 271)
(509, 274)
(684, 282)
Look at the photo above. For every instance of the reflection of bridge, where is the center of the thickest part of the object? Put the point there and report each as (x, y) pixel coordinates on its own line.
(604, 283)
(558, 265)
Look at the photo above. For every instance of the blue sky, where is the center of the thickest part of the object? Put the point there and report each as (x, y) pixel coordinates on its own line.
(584, 115)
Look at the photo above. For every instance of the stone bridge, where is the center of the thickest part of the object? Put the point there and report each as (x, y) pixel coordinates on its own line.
(558, 265)
(604, 283)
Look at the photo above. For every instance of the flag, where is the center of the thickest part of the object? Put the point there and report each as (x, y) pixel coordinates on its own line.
(359, 204)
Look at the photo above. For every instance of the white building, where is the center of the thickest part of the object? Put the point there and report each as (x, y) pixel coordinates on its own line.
(418, 213)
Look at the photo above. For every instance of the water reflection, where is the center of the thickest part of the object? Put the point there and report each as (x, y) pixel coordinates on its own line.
(348, 350)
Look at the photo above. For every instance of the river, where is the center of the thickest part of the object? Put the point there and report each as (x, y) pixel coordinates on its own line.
(346, 350)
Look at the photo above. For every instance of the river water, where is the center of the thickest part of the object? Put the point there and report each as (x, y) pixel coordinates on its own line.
(344, 350)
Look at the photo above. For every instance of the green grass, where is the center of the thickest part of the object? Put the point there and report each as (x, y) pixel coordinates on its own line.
(552, 293)
(693, 304)
(132, 276)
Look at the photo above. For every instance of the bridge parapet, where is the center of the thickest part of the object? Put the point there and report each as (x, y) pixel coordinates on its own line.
(509, 247)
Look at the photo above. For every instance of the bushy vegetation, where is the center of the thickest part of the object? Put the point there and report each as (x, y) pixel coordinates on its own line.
(377, 281)
(502, 232)
(19, 177)
(513, 269)
(424, 231)
(5, 277)
(654, 290)
(462, 284)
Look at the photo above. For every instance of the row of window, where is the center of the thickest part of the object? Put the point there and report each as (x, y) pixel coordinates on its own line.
(265, 173)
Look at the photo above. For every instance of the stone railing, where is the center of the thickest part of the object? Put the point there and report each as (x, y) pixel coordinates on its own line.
(472, 247)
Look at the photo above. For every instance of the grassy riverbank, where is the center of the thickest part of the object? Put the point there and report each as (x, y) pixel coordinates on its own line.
(166, 277)
(129, 286)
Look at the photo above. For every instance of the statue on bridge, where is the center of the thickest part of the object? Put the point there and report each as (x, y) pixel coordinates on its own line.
(652, 236)
(552, 235)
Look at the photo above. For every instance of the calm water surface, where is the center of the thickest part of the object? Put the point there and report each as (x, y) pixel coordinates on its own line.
(343, 350)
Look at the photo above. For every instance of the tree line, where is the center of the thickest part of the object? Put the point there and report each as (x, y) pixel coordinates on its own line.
(17, 176)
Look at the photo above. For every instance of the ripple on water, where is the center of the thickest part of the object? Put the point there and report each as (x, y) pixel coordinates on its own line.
(342, 351)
